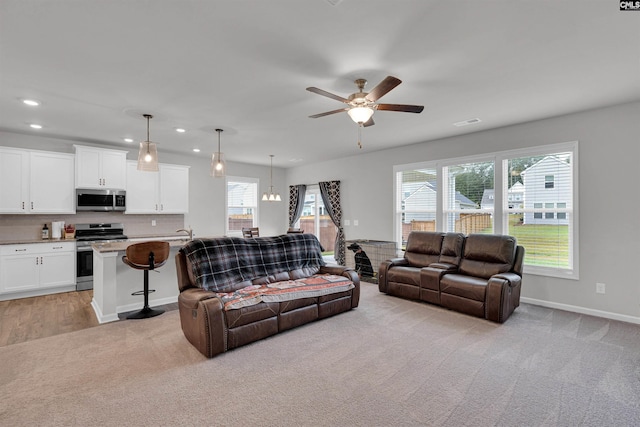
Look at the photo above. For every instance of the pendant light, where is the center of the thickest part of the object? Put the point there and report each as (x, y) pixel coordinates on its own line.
(270, 196)
(218, 166)
(148, 154)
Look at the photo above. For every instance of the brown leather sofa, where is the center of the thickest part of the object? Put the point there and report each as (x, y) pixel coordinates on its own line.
(212, 327)
(479, 274)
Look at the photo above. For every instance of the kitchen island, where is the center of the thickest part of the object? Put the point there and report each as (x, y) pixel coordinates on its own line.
(114, 281)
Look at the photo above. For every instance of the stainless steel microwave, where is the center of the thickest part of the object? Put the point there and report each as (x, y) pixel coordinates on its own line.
(100, 200)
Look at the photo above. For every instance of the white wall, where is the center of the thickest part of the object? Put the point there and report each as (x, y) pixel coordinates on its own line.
(609, 202)
(206, 194)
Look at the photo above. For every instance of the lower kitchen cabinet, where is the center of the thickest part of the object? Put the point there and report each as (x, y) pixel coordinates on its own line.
(36, 266)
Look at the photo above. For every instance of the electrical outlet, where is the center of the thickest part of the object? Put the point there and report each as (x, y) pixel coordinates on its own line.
(355, 222)
(347, 222)
(600, 288)
(153, 222)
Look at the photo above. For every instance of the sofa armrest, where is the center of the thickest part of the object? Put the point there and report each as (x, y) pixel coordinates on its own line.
(383, 285)
(444, 266)
(502, 296)
(513, 278)
(202, 320)
(348, 272)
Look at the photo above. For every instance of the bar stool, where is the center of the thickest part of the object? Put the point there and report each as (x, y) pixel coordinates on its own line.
(146, 256)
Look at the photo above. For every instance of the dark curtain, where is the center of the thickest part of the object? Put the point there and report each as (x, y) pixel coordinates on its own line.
(330, 191)
(296, 203)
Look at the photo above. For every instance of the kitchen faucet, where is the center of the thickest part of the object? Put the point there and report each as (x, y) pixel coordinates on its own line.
(189, 231)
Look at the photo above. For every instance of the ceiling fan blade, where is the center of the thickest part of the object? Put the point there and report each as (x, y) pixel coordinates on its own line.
(327, 94)
(383, 88)
(401, 107)
(369, 122)
(339, 110)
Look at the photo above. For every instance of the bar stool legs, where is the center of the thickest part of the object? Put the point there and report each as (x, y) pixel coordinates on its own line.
(146, 256)
(146, 311)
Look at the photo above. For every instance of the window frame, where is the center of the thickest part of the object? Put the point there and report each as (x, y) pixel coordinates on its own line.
(501, 208)
(256, 208)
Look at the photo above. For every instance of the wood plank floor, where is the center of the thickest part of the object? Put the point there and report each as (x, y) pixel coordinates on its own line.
(28, 319)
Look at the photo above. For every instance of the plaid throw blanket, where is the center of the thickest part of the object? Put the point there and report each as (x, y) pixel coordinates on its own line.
(221, 264)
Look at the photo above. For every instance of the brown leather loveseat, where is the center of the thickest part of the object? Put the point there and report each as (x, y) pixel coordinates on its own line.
(234, 291)
(479, 274)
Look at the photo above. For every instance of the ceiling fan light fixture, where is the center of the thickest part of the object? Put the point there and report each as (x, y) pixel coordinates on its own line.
(148, 152)
(360, 115)
(218, 165)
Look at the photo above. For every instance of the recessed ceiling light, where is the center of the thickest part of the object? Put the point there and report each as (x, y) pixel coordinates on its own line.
(128, 140)
(467, 122)
(196, 150)
(295, 160)
(35, 126)
(31, 102)
(180, 130)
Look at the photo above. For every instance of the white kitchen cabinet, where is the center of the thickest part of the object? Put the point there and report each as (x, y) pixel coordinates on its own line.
(36, 182)
(14, 181)
(51, 188)
(162, 192)
(36, 266)
(100, 168)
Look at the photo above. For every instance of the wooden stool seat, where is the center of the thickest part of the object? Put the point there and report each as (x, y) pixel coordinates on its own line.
(146, 256)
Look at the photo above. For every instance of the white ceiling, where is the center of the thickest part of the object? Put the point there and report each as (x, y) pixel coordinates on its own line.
(243, 66)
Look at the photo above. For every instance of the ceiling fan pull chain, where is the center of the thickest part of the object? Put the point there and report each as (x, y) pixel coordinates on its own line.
(360, 136)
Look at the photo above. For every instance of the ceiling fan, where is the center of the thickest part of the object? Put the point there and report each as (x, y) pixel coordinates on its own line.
(361, 105)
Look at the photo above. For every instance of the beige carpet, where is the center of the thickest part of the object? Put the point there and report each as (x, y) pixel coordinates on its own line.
(390, 362)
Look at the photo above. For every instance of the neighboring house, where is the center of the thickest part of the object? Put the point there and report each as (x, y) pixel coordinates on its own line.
(422, 196)
(419, 196)
(545, 188)
(515, 197)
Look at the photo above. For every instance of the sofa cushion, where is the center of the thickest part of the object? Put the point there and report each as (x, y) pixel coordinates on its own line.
(408, 275)
(226, 264)
(423, 248)
(463, 286)
(309, 287)
(487, 254)
(451, 251)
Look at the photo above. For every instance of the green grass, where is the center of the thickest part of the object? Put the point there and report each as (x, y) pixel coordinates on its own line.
(545, 245)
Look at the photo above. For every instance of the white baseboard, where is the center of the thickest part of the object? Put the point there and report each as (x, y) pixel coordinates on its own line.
(37, 292)
(582, 310)
(152, 303)
(101, 317)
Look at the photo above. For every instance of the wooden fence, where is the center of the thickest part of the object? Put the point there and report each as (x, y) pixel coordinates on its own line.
(327, 228)
(466, 223)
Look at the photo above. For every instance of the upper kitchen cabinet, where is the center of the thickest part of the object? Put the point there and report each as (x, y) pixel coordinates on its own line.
(36, 182)
(162, 192)
(100, 168)
(14, 181)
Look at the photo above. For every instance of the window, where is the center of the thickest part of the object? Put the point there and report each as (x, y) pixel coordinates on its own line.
(548, 181)
(416, 208)
(529, 194)
(315, 220)
(465, 186)
(242, 204)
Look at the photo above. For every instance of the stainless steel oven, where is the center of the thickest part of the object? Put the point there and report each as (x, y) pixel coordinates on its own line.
(87, 235)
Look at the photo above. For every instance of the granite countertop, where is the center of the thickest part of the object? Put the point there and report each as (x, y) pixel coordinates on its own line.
(30, 241)
(132, 238)
(122, 246)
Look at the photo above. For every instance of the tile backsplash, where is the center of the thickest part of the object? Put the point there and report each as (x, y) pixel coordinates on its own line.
(17, 227)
